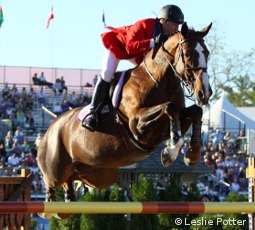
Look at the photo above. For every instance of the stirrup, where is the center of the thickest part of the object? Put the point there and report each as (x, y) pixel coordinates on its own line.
(90, 122)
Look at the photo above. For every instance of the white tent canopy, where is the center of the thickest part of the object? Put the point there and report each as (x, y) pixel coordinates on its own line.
(225, 115)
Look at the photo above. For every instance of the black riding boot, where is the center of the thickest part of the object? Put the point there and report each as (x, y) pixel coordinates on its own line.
(99, 99)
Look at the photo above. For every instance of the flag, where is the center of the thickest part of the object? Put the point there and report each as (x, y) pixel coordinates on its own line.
(1, 16)
(51, 16)
(103, 19)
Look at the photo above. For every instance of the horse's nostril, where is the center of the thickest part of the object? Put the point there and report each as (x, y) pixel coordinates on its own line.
(200, 94)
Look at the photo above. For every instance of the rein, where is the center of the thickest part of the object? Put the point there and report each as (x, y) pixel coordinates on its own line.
(184, 84)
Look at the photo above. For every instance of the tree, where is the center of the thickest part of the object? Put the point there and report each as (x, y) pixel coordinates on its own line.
(95, 221)
(175, 193)
(233, 197)
(72, 223)
(144, 191)
(227, 68)
(242, 93)
(116, 221)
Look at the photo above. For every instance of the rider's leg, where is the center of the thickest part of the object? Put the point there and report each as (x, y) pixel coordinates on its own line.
(101, 91)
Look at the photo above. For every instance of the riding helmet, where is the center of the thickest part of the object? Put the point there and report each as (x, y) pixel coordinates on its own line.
(172, 13)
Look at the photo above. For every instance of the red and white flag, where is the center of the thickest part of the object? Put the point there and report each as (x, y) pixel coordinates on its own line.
(51, 16)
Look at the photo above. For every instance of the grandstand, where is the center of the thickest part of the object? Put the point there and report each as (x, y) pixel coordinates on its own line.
(225, 158)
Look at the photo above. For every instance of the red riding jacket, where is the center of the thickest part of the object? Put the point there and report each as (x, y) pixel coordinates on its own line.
(132, 41)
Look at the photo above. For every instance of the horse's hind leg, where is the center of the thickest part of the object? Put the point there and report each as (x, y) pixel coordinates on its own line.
(50, 194)
(69, 193)
(192, 115)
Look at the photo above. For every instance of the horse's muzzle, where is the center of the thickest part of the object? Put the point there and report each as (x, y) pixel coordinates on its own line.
(202, 98)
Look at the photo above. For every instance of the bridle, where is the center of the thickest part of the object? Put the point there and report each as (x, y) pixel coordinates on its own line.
(185, 83)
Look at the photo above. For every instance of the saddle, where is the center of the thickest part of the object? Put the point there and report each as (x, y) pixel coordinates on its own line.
(115, 95)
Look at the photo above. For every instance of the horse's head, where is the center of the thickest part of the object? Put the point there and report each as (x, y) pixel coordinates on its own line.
(190, 63)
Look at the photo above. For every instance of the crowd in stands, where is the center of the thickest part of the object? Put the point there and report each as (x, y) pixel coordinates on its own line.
(17, 105)
(221, 151)
(226, 154)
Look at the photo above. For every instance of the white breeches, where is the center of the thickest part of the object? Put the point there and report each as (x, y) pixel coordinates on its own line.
(110, 65)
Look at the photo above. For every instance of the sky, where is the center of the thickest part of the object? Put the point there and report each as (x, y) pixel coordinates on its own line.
(73, 38)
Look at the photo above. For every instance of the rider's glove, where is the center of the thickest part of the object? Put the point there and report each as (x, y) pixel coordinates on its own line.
(161, 38)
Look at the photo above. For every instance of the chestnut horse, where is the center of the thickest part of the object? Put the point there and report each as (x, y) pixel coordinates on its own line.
(151, 110)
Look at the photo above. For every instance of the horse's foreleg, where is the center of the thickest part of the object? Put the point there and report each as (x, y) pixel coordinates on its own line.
(170, 153)
(192, 115)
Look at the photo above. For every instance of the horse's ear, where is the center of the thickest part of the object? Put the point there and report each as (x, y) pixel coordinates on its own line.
(184, 29)
(205, 30)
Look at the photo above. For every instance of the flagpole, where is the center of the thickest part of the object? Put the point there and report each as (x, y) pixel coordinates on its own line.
(103, 18)
(52, 52)
(1, 48)
(51, 16)
(1, 22)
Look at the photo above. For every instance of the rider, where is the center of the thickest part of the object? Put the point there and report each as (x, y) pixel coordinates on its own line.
(130, 43)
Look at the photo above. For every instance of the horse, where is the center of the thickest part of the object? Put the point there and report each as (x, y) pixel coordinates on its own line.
(151, 110)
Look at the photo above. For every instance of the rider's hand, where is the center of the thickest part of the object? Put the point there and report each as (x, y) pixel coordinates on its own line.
(161, 38)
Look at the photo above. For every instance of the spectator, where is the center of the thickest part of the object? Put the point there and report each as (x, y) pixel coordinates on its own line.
(9, 140)
(2, 148)
(64, 105)
(63, 83)
(73, 99)
(14, 90)
(37, 184)
(235, 187)
(208, 191)
(8, 171)
(217, 138)
(30, 160)
(35, 79)
(13, 159)
(25, 146)
(29, 102)
(243, 183)
(57, 109)
(95, 80)
(200, 186)
(19, 135)
(29, 121)
(239, 139)
(219, 173)
(20, 117)
(1, 170)
(43, 81)
(205, 198)
(9, 112)
(41, 97)
(6, 90)
(16, 147)
(34, 168)
(38, 139)
(57, 87)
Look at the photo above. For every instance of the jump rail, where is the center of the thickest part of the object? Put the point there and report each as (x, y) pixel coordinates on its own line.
(127, 207)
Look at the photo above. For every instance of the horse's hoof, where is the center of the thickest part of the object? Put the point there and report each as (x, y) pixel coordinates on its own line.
(191, 159)
(190, 163)
(168, 156)
(45, 215)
